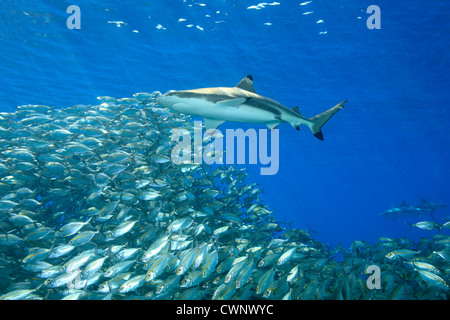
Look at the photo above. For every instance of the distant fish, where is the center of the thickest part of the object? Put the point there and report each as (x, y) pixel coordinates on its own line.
(433, 279)
(426, 225)
(431, 206)
(404, 210)
(401, 254)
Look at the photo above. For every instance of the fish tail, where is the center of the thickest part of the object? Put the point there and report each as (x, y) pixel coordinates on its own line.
(319, 120)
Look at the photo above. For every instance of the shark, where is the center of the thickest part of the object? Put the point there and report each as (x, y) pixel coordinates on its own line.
(241, 103)
(404, 210)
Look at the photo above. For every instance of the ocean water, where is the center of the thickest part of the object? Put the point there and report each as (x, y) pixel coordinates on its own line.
(389, 144)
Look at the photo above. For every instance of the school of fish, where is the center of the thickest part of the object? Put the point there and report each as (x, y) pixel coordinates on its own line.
(92, 207)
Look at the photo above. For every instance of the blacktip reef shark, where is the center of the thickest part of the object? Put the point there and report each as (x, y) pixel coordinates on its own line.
(241, 104)
(404, 210)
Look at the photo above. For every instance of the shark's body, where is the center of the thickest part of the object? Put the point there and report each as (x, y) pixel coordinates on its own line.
(241, 104)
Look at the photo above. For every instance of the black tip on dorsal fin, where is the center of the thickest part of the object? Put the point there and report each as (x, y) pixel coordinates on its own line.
(246, 84)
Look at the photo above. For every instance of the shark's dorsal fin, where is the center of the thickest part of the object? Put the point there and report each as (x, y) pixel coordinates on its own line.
(246, 84)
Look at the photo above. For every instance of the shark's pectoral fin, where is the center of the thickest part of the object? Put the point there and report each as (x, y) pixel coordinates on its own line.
(212, 123)
(273, 125)
(276, 123)
(231, 103)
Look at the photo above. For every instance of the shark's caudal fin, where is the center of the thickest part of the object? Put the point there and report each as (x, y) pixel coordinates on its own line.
(318, 121)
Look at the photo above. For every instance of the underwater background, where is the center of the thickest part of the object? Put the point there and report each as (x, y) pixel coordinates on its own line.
(389, 144)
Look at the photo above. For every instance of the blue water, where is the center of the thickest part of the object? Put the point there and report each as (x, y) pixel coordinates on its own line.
(390, 143)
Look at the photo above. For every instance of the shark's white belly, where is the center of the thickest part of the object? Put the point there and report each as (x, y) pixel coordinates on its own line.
(243, 113)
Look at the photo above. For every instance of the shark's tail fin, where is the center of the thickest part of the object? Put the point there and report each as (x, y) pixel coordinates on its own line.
(318, 121)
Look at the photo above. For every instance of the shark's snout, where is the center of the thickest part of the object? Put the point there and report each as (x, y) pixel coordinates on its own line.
(167, 99)
(161, 99)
